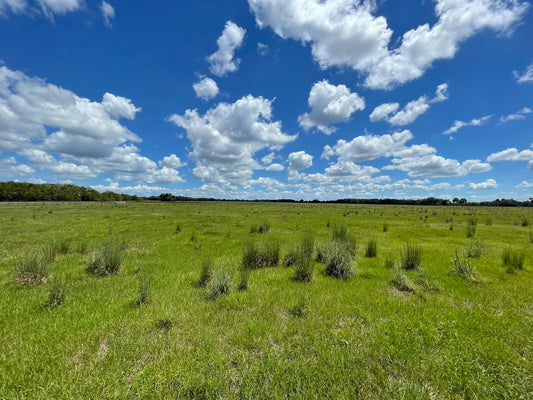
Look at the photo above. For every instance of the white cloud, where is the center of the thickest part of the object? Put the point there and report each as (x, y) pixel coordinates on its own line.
(87, 138)
(140, 189)
(14, 6)
(262, 49)
(46, 7)
(488, 184)
(520, 114)
(221, 62)
(525, 185)
(433, 166)
(369, 147)
(267, 183)
(172, 161)
(300, 160)
(206, 89)
(461, 124)
(9, 167)
(513, 154)
(411, 111)
(330, 104)
(526, 77)
(108, 13)
(345, 33)
(227, 137)
(274, 167)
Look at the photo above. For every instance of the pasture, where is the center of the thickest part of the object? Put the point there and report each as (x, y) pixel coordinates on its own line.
(457, 325)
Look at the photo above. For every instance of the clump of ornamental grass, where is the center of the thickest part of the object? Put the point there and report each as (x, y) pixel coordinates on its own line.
(402, 282)
(513, 260)
(220, 284)
(107, 258)
(34, 268)
(371, 248)
(57, 294)
(474, 248)
(461, 267)
(411, 257)
(261, 254)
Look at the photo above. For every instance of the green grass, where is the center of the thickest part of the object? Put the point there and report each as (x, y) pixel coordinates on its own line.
(357, 338)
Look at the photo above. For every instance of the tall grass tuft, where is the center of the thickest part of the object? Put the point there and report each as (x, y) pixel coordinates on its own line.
(371, 248)
(531, 236)
(411, 257)
(244, 275)
(34, 268)
(390, 262)
(264, 227)
(303, 266)
(308, 245)
(145, 290)
(290, 257)
(206, 272)
(470, 231)
(525, 221)
(513, 260)
(338, 261)
(474, 248)
(339, 232)
(220, 284)
(260, 254)
(57, 295)
(62, 246)
(107, 259)
(462, 268)
(402, 282)
(385, 227)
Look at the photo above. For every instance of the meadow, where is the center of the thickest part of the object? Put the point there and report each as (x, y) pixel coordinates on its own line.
(406, 302)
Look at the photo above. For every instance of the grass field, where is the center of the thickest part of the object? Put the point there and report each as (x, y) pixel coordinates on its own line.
(151, 331)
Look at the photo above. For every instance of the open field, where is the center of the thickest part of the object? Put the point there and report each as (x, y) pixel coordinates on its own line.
(435, 335)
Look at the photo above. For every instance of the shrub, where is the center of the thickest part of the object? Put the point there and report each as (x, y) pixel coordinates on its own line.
(260, 254)
(58, 292)
(206, 272)
(145, 290)
(338, 262)
(513, 260)
(372, 248)
(411, 257)
(34, 268)
(470, 231)
(303, 267)
(220, 283)
(107, 259)
(474, 249)
(402, 282)
(462, 268)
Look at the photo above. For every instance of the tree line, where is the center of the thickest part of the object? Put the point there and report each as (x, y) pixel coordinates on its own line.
(22, 191)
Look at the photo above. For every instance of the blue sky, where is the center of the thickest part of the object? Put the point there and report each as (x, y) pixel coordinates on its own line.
(312, 99)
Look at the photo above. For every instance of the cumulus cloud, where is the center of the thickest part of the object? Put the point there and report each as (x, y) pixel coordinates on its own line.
(368, 147)
(488, 184)
(434, 166)
(525, 77)
(411, 111)
(520, 114)
(525, 185)
(330, 104)
(86, 139)
(172, 161)
(348, 34)
(108, 13)
(221, 62)
(226, 138)
(461, 124)
(10, 167)
(512, 154)
(275, 167)
(300, 160)
(206, 89)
